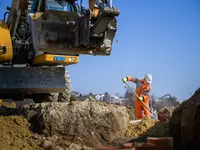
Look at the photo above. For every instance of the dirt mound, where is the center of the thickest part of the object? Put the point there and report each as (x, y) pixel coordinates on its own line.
(15, 134)
(147, 127)
(185, 124)
(135, 130)
(84, 122)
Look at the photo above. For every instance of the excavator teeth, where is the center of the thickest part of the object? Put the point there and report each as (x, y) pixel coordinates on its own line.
(32, 80)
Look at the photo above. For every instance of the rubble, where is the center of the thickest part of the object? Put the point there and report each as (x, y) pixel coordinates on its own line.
(185, 123)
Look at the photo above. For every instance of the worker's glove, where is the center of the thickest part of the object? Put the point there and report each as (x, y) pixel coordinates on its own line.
(124, 80)
(140, 98)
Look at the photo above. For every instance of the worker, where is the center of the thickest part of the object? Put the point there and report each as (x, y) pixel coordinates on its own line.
(143, 89)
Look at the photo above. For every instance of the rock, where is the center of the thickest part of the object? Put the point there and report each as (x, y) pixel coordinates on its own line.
(85, 122)
(185, 124)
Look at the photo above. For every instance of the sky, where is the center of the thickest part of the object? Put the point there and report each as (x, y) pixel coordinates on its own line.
(160, 37)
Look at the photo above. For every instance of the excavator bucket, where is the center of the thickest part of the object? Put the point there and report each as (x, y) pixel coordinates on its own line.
(59, 31)
(54, 31)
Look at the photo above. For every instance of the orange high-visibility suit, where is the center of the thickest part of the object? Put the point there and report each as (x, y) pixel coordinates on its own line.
(142, 90)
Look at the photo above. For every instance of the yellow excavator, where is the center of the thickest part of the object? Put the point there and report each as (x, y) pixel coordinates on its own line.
(39, 38)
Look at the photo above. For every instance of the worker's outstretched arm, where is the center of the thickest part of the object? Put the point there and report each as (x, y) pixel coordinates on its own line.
(130, 78)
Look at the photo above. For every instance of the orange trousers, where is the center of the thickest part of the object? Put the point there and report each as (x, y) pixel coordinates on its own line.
(139, 107)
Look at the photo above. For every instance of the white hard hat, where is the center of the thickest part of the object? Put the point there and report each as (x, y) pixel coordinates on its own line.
(148, 78)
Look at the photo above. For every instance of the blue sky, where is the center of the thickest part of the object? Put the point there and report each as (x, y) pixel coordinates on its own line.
(161, 37)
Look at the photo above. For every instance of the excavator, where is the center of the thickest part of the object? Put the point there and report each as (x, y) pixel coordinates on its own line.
(40, 38)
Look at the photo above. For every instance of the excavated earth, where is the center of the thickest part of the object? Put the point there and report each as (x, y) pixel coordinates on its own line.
(72, 126)
(83, 122)
(185, 124)
(14, 130)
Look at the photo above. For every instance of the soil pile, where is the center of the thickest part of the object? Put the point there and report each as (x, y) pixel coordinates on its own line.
(15, 134)
(185, 124)
(135, 130)
(87, 122)
(147, 127)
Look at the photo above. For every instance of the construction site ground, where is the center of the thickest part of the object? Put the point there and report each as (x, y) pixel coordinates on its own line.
(90, 125)
(17, 132)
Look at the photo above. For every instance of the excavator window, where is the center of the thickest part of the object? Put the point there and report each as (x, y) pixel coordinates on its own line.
(60, 5)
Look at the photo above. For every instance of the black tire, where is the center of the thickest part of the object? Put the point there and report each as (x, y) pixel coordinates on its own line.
(55, 97)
